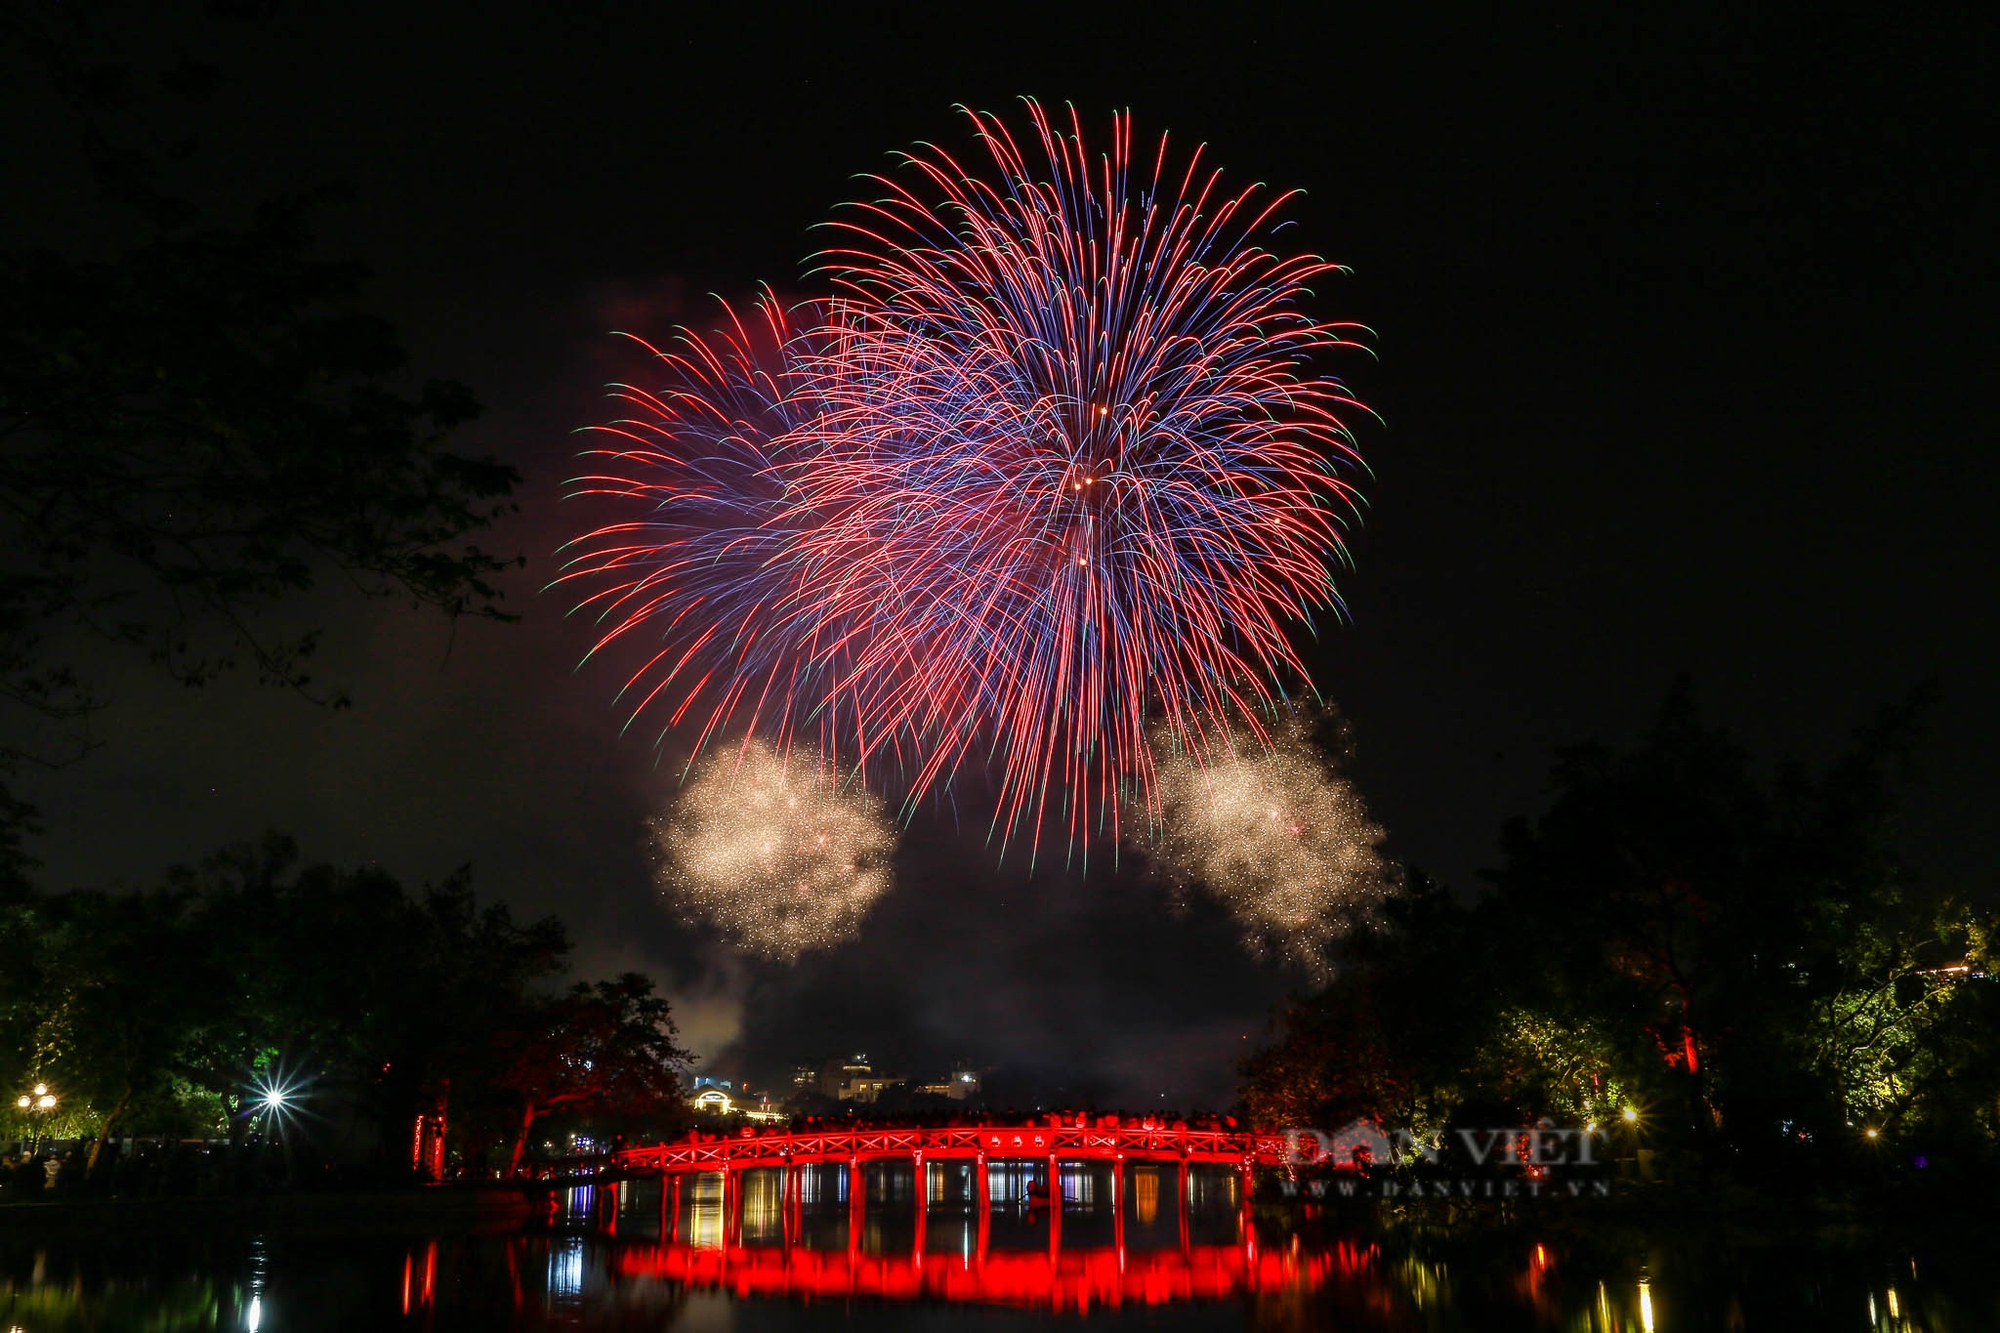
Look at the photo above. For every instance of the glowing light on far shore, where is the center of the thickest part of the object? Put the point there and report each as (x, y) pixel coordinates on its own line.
(774, 851)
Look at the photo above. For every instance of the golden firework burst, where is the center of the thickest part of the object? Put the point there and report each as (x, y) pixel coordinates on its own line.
(774, 851)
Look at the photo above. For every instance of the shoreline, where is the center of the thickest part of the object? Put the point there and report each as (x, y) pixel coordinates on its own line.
(388, 1212)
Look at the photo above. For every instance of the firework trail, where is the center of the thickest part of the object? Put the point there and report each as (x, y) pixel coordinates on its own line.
(1076, 463)
(771, 850)
(703, 565)
(1277, 836)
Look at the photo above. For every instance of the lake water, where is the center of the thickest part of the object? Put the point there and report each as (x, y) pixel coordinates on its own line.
(1153, 1269)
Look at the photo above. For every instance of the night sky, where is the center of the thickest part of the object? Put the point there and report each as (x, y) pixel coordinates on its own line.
(1685, 352)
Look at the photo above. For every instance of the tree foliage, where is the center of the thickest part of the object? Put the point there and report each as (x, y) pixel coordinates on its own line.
(1740, 956)
(198, 430)
(605, 1049)
(200, 427)
(174, 1008)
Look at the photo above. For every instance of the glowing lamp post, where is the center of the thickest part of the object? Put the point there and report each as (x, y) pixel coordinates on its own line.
(37, 1103)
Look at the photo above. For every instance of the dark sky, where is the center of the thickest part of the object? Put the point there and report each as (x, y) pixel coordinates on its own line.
(1686, 347)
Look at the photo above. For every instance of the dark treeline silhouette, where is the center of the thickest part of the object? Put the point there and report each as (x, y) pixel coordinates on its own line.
(299, 1019)
(1728, 974)
(198, 426)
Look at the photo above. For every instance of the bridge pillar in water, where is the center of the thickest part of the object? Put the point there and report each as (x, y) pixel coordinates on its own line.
(857, 1191)
(731, 1189)
(1184, 1189)
(1245, 1184)
(1055, 1206)
(1118, 1204)
(983, 1195)
(923, 1202)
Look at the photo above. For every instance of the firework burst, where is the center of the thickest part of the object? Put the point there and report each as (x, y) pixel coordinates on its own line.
(702, 565)
(1075, 460)
(774, 852)
(1275, 834)
(1053, 469)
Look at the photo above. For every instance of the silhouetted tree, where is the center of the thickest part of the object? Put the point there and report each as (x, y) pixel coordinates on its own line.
(604, 1048)
(200, 429)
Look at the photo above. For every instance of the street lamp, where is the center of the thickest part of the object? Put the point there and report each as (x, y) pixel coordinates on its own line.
(37, 1103)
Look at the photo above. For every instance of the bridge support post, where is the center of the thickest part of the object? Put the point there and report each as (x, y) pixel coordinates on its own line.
(1184, 1188)
(857, 1192)
(1245, 1186)
(983, 1196)
(1118, 1205)
(1055, 1206)
(923, 1203)
(730, 1189)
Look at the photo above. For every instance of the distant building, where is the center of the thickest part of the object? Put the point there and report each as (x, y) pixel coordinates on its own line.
(714, 1101)
(959, 1085)
(854, 1079)
(710, 1081)
(851, 1079)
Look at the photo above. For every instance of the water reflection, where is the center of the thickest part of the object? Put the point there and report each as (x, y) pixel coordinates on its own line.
(616, 1263)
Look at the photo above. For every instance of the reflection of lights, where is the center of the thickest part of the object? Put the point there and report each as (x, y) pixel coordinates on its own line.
(1895, 1308)
(1646, 1305)
(566, 1270)
(255, 1316)
(762, 1214)
(1146, 1194)
(705, 1210)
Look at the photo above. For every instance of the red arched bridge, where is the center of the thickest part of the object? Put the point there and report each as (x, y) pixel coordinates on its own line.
(952, 1211)
(1030, 1160)
(1064, 1138)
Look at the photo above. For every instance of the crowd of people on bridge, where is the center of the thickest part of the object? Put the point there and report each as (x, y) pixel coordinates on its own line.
(970, 1120)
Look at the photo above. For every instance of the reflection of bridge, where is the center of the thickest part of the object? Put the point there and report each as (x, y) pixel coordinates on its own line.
(959, 1212)
(1073, 1280)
